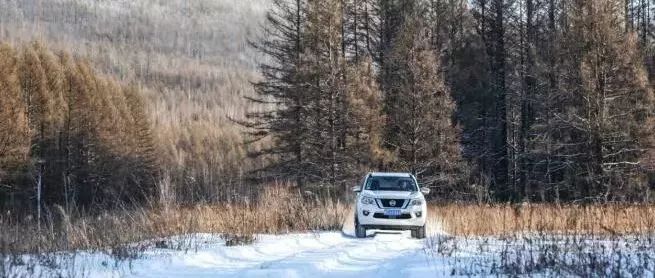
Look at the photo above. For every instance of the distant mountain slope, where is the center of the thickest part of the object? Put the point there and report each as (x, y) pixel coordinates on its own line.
(192, 57)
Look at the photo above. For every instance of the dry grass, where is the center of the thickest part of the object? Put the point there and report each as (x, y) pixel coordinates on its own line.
(551, 247)
(546, 240)
(503, 219)
(278, 210)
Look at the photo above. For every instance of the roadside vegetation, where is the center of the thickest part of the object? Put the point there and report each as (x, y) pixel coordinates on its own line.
(509, 219)
(546, 240)
(508, 239)
(278, 209)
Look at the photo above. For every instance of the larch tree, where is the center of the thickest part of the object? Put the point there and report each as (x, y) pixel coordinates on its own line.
(144, 149)
(360, 24)
(607, 104)
(327, 92)
(281, 99)
(52, 150)
(495, 151)
(14, 129)
(35, 94)
(365, 118)
(427, 140)
(71, 128)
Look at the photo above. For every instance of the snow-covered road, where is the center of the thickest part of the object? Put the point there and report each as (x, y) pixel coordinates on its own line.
(327, 254)
(298, 255)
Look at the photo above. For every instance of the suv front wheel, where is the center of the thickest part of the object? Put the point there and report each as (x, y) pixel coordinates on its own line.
(419, 232)
(360, 232)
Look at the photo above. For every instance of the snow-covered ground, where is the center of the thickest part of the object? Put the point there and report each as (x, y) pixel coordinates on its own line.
(339, 254)
(327, 254)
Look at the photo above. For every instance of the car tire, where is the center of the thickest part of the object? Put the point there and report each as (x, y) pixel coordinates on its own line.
(419, 232)
(360, 232)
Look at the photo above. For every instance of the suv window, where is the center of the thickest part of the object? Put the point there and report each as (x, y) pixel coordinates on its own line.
(391, 184)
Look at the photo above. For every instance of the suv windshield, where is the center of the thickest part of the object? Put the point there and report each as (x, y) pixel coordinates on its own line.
(390, 184)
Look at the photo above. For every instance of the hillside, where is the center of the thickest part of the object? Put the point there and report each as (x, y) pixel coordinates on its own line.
(191, 58)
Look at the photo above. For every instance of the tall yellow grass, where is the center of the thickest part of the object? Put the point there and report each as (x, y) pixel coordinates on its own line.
(277, 210)
(282, 210)
(504, 219)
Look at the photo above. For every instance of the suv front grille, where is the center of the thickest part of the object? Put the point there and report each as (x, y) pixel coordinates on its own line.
(392, 203)
(402, 216)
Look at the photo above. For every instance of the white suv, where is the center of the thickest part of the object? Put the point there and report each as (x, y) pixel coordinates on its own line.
(390, 201)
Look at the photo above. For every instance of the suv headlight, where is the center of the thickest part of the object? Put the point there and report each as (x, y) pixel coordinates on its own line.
(367, 200)
(417, 202)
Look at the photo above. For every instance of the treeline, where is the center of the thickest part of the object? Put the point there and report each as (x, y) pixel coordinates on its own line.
(332, 119)
(512, 100)
(82, 138)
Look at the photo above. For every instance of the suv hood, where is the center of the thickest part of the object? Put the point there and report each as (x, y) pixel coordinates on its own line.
(392, 194)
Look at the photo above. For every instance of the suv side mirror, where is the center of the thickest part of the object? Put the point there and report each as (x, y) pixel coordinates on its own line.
(425, 190)
(357, 188)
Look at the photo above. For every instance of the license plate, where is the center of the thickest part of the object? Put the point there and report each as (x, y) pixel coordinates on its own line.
(392, 212)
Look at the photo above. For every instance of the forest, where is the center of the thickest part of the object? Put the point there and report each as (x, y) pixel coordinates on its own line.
(485, 100)
(495, 100)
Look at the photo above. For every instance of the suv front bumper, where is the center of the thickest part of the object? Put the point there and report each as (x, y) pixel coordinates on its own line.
(402, 222)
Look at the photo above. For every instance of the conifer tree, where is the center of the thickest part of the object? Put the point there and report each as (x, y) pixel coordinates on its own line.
(605, 111)
(90, 136)
(14, 130)
(282, 93)
(325, 72)
(35, 94)
(427, 141)
(365, 119)
(361, 25)
(144, 150)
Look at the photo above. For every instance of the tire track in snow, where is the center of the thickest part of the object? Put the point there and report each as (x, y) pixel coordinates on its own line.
(352, 258)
